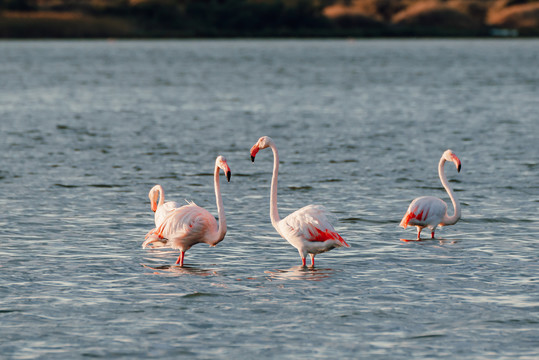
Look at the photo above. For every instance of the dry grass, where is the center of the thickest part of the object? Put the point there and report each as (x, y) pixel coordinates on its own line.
(436, 15)
(475, 9)
(337, 10)
(424, 17)
(516, 16)
(380, 10)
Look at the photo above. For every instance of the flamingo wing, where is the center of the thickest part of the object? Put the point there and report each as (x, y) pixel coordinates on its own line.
(187, 222)
(424, 211)
(164, 210)
(171, 206)
(311, 223)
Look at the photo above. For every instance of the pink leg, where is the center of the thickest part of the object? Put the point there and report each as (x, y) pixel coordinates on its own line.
(312, 260)
(303, 261)
(432, 234)
(180, 258)
(418, 233)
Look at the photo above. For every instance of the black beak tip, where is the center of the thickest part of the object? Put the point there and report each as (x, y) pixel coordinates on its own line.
(458, 168)
(228, 175)
(252, 158)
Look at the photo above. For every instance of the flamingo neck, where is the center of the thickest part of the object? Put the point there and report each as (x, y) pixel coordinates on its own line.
(448, 220)
(161, 195)
(274, 212)
(220, 235)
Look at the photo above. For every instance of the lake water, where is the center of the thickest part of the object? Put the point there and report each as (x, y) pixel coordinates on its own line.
(88, 127)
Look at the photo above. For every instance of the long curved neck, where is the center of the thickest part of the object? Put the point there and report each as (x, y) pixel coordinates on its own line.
(274, 212)
(220, 209)
(161, 195)
(448, 220)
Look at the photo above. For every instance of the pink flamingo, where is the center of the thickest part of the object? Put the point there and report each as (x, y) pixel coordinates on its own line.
(161, 209)
(307, 229)
(429, 211)
(190, 224)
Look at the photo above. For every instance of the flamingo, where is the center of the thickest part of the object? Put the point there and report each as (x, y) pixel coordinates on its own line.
(190, 224)
(161, 209)
(307, 229)
(429, 211)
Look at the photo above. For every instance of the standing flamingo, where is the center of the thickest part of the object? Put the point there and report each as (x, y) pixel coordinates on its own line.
(429, 211)
(307, 229)
(161, 209)
(190, 224)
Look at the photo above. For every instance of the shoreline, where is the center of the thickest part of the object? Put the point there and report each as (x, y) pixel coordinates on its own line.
(80, 25)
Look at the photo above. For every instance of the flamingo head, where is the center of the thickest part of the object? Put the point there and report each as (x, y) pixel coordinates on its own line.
(154, 195)
(221, 163)
(449, 155)
(262, 143)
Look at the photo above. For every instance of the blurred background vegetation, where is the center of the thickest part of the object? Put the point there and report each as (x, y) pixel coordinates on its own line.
(266, 18)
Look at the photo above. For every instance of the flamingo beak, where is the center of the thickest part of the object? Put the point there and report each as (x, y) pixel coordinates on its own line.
(228, 175)
(456, 160)
(154, 207)
(254, 151)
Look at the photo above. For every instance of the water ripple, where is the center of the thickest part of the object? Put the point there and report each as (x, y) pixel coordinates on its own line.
(89, 126)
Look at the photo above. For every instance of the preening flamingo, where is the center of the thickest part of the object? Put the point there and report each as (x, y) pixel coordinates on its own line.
(190, 224)
(429, 211)
(307, 229)
(161, 209)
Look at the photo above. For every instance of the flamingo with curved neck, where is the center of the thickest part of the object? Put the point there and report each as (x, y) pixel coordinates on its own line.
(307, 229)
(162, 209)
(191, 224)
(429, 211)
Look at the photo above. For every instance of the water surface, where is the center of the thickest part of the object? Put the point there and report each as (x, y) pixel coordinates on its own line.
(88, 127)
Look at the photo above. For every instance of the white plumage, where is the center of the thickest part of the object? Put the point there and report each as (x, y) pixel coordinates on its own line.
(165, 210)
(428, 211)
(309, 230)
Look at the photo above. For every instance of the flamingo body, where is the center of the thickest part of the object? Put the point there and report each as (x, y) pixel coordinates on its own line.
(425, 211)
(164, 210)
(430, 211)
(307, 229)
(191, 224)
(186, 226)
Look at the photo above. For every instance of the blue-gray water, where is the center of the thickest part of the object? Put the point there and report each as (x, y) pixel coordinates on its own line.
(87, 128)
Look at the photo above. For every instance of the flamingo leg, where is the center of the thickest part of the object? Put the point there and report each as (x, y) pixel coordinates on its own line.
(180, 258)
(432, 234)
(312, 260)
(302, 261)
(418, 233)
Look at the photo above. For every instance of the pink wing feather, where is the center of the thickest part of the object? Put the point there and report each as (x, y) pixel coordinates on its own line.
(164, 210)
(424, 211)
(312, 224)
(189, 220)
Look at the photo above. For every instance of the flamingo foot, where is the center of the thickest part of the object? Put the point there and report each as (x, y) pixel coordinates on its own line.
(312, 260)
(180, 258)
(303, 261)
